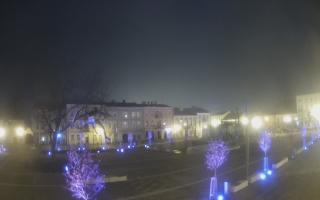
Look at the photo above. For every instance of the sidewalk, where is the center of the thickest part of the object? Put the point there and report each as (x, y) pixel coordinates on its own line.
(298, 180)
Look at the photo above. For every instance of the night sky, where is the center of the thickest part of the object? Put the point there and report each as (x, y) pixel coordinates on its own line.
(213, 54)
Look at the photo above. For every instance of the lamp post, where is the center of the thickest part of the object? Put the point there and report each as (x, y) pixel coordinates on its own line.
(256, 123)
(245, 122)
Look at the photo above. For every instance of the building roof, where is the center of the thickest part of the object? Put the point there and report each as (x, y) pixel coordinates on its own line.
(189, 111)
(134, 104)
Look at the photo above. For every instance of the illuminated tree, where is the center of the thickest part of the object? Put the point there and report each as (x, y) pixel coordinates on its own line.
(216, 155)
(304, 136)
(83, 176)
(265, 142)
(52, 112)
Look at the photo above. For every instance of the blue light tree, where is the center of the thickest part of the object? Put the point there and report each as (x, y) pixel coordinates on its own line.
(304, 138)
(216, 155)
(83, 177)
(265, 145)
(149, 135)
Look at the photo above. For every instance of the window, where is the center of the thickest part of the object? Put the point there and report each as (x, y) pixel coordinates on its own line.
(72, 138)
(125, 124)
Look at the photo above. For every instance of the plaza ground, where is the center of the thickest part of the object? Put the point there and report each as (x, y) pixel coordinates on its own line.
(153, 174)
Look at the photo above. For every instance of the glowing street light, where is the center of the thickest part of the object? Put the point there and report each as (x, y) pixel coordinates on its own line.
(256, 122)
(287, 119)
(215, 123)
(2, 132)
(244, 120)
(19, 131)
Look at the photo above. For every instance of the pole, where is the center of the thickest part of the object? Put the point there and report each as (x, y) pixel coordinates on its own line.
(247, 153)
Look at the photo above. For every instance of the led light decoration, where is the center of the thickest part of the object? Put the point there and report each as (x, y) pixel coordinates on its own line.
(83, 177)
(66, 168)
(303, 137)
(130, 140)
(263, 176)
(226, 188)
(216, 155)
(265, 144)
(220, 197)
(149, 134)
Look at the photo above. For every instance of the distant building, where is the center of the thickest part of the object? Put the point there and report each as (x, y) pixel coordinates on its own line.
(281, 123)
(114, 123)
(304, 106)
(191, 122)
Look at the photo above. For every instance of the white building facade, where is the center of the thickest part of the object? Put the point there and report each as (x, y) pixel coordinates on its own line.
(122, 123)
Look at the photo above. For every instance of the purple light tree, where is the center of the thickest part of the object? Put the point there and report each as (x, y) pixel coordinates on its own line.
(265, 144)
(83, 176)
(216, 155)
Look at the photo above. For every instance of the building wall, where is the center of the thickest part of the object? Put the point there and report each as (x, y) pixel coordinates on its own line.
(156, 120)
(128, 120)
(123, 121)
(304, 105)
(192, 126)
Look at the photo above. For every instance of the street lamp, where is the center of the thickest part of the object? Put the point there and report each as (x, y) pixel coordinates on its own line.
(20, 131)
(287, 119)
(245, 122)
(256, 122)
(215, 123)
